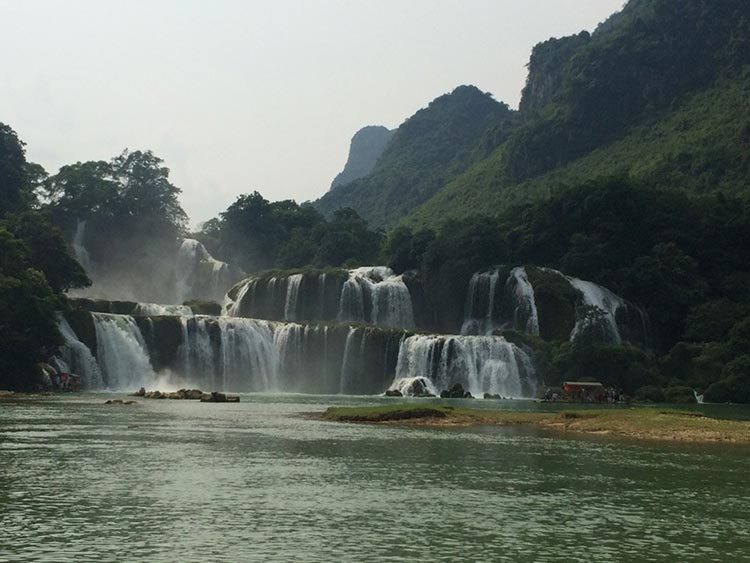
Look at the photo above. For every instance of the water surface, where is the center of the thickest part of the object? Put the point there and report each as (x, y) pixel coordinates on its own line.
(257, 481)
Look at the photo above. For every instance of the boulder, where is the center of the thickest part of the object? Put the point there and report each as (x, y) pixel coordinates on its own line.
(119, 402)
(455, 392)
(216, 397)
(492, 396)
(140, 393)
(393, 393)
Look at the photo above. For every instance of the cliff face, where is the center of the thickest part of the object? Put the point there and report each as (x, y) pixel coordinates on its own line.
(366, 147)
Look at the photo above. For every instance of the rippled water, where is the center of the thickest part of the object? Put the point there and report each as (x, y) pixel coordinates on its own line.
(256, 481)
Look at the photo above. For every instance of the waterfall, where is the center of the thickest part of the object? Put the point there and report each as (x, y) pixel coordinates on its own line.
(376, 296)
(347, 364)
(570, 307)
(517, 309)
(525, 316)
(228, 353)
(291, 308)
(76, 358)
(121, 352)
(198, 275)
(479, 316)
(79, 248)
(606, 305)
(156, 310)
(481, 364)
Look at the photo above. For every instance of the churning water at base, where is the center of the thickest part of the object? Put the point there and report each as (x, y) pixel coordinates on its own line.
(165, 481)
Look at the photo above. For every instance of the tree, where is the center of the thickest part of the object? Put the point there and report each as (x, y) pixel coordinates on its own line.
(13, 172)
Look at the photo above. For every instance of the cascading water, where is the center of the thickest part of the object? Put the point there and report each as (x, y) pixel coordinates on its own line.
(156, 310)
(606, 303)
(79, 248)
(479, 316)
(229, 353)
(291, 305)
(198, 275)
(376, 296)
(525, 314)
(514, 308)
(371, 295)
(481, 364)
(76, 358)
(569, 306)
(121, 352)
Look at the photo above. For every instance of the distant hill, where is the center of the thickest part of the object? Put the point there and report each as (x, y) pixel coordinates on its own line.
(364, 151)
(427, 151)
(659, 91)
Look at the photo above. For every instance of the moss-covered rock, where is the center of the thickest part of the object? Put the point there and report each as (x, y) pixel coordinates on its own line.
(82, 323)
(104, 306)
(555, 302)
(163, 336)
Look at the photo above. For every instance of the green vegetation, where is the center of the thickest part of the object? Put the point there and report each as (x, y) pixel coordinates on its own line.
(427, 151)
(698, 146)
(258, 235)
(638, 423)
(35, 267)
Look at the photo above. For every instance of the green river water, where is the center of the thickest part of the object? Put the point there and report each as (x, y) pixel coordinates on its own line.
(260, 481)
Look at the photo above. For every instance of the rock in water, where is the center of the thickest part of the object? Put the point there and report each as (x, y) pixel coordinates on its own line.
(216, 397)
(140, 393)
(455, 392)
(393, 393)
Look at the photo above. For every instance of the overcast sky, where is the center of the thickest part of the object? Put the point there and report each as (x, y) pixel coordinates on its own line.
(240, 95)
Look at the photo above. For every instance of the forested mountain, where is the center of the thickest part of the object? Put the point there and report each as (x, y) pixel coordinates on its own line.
(428, 150)
(659, 90)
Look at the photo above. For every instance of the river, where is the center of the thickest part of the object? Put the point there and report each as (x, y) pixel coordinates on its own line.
(261, 481)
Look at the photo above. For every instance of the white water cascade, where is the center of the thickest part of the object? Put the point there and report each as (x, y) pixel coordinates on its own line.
(292, 297)
(76, 358)
(376, 296)
(156, 310)
(490, 306)
(79, 249)
(198, 275)
(607, 304)
(121, 352)
(229, 353)
(481, 364)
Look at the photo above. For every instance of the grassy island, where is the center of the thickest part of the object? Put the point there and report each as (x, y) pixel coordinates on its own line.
(639, 422)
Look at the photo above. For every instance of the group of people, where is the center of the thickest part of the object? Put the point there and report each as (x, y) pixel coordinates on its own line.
(66, 381)
(609, 395)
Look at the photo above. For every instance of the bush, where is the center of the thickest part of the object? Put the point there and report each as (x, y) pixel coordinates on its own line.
(682, 395)
(649, 394)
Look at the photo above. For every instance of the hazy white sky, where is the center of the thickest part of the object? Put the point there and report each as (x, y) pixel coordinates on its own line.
(239, 95)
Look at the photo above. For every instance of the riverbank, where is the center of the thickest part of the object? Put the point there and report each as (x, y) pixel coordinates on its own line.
(639, 422)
